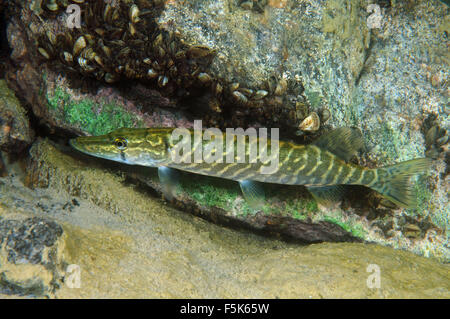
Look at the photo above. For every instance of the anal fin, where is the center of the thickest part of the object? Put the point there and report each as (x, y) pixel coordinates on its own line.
(327, 195)
(253, 193)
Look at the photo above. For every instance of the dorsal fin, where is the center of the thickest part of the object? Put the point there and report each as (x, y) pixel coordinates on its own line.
(343, 142)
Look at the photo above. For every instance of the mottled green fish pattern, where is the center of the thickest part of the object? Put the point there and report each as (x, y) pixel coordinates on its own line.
(322, 166)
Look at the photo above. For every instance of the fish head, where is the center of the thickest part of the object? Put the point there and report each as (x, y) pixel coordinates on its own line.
(146, 147)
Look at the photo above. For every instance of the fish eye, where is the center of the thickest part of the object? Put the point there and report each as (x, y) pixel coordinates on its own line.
(121, 143)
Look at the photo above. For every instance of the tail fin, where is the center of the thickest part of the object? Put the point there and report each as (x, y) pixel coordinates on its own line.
(394, 181)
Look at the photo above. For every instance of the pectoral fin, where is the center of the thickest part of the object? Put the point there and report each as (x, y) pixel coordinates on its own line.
(326, 195)
(253, 193)
(169, 179)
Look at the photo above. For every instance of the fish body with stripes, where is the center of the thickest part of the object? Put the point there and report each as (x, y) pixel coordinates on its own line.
(323, 166)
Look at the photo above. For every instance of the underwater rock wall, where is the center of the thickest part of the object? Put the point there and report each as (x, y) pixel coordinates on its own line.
(145, 64)
(402, 99)
(16, 133)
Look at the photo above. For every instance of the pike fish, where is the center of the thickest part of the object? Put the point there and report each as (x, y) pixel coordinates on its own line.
(323, 166)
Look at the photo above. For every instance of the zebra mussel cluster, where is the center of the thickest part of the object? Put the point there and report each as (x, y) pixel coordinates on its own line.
(120, 39)
(436, 139)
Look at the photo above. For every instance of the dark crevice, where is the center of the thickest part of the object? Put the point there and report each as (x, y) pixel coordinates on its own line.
(5, 50)
(367, 54)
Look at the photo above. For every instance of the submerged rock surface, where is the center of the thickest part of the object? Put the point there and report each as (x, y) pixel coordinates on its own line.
(319, 45)
(155, 251)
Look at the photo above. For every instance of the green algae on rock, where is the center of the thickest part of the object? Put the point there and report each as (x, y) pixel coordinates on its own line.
(88, 115)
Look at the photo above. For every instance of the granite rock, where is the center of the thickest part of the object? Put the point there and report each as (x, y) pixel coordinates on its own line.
(29, 250)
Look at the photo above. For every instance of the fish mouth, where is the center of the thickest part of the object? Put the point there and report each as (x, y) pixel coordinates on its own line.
(85, 143)
(96, 146)
(73, 142)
